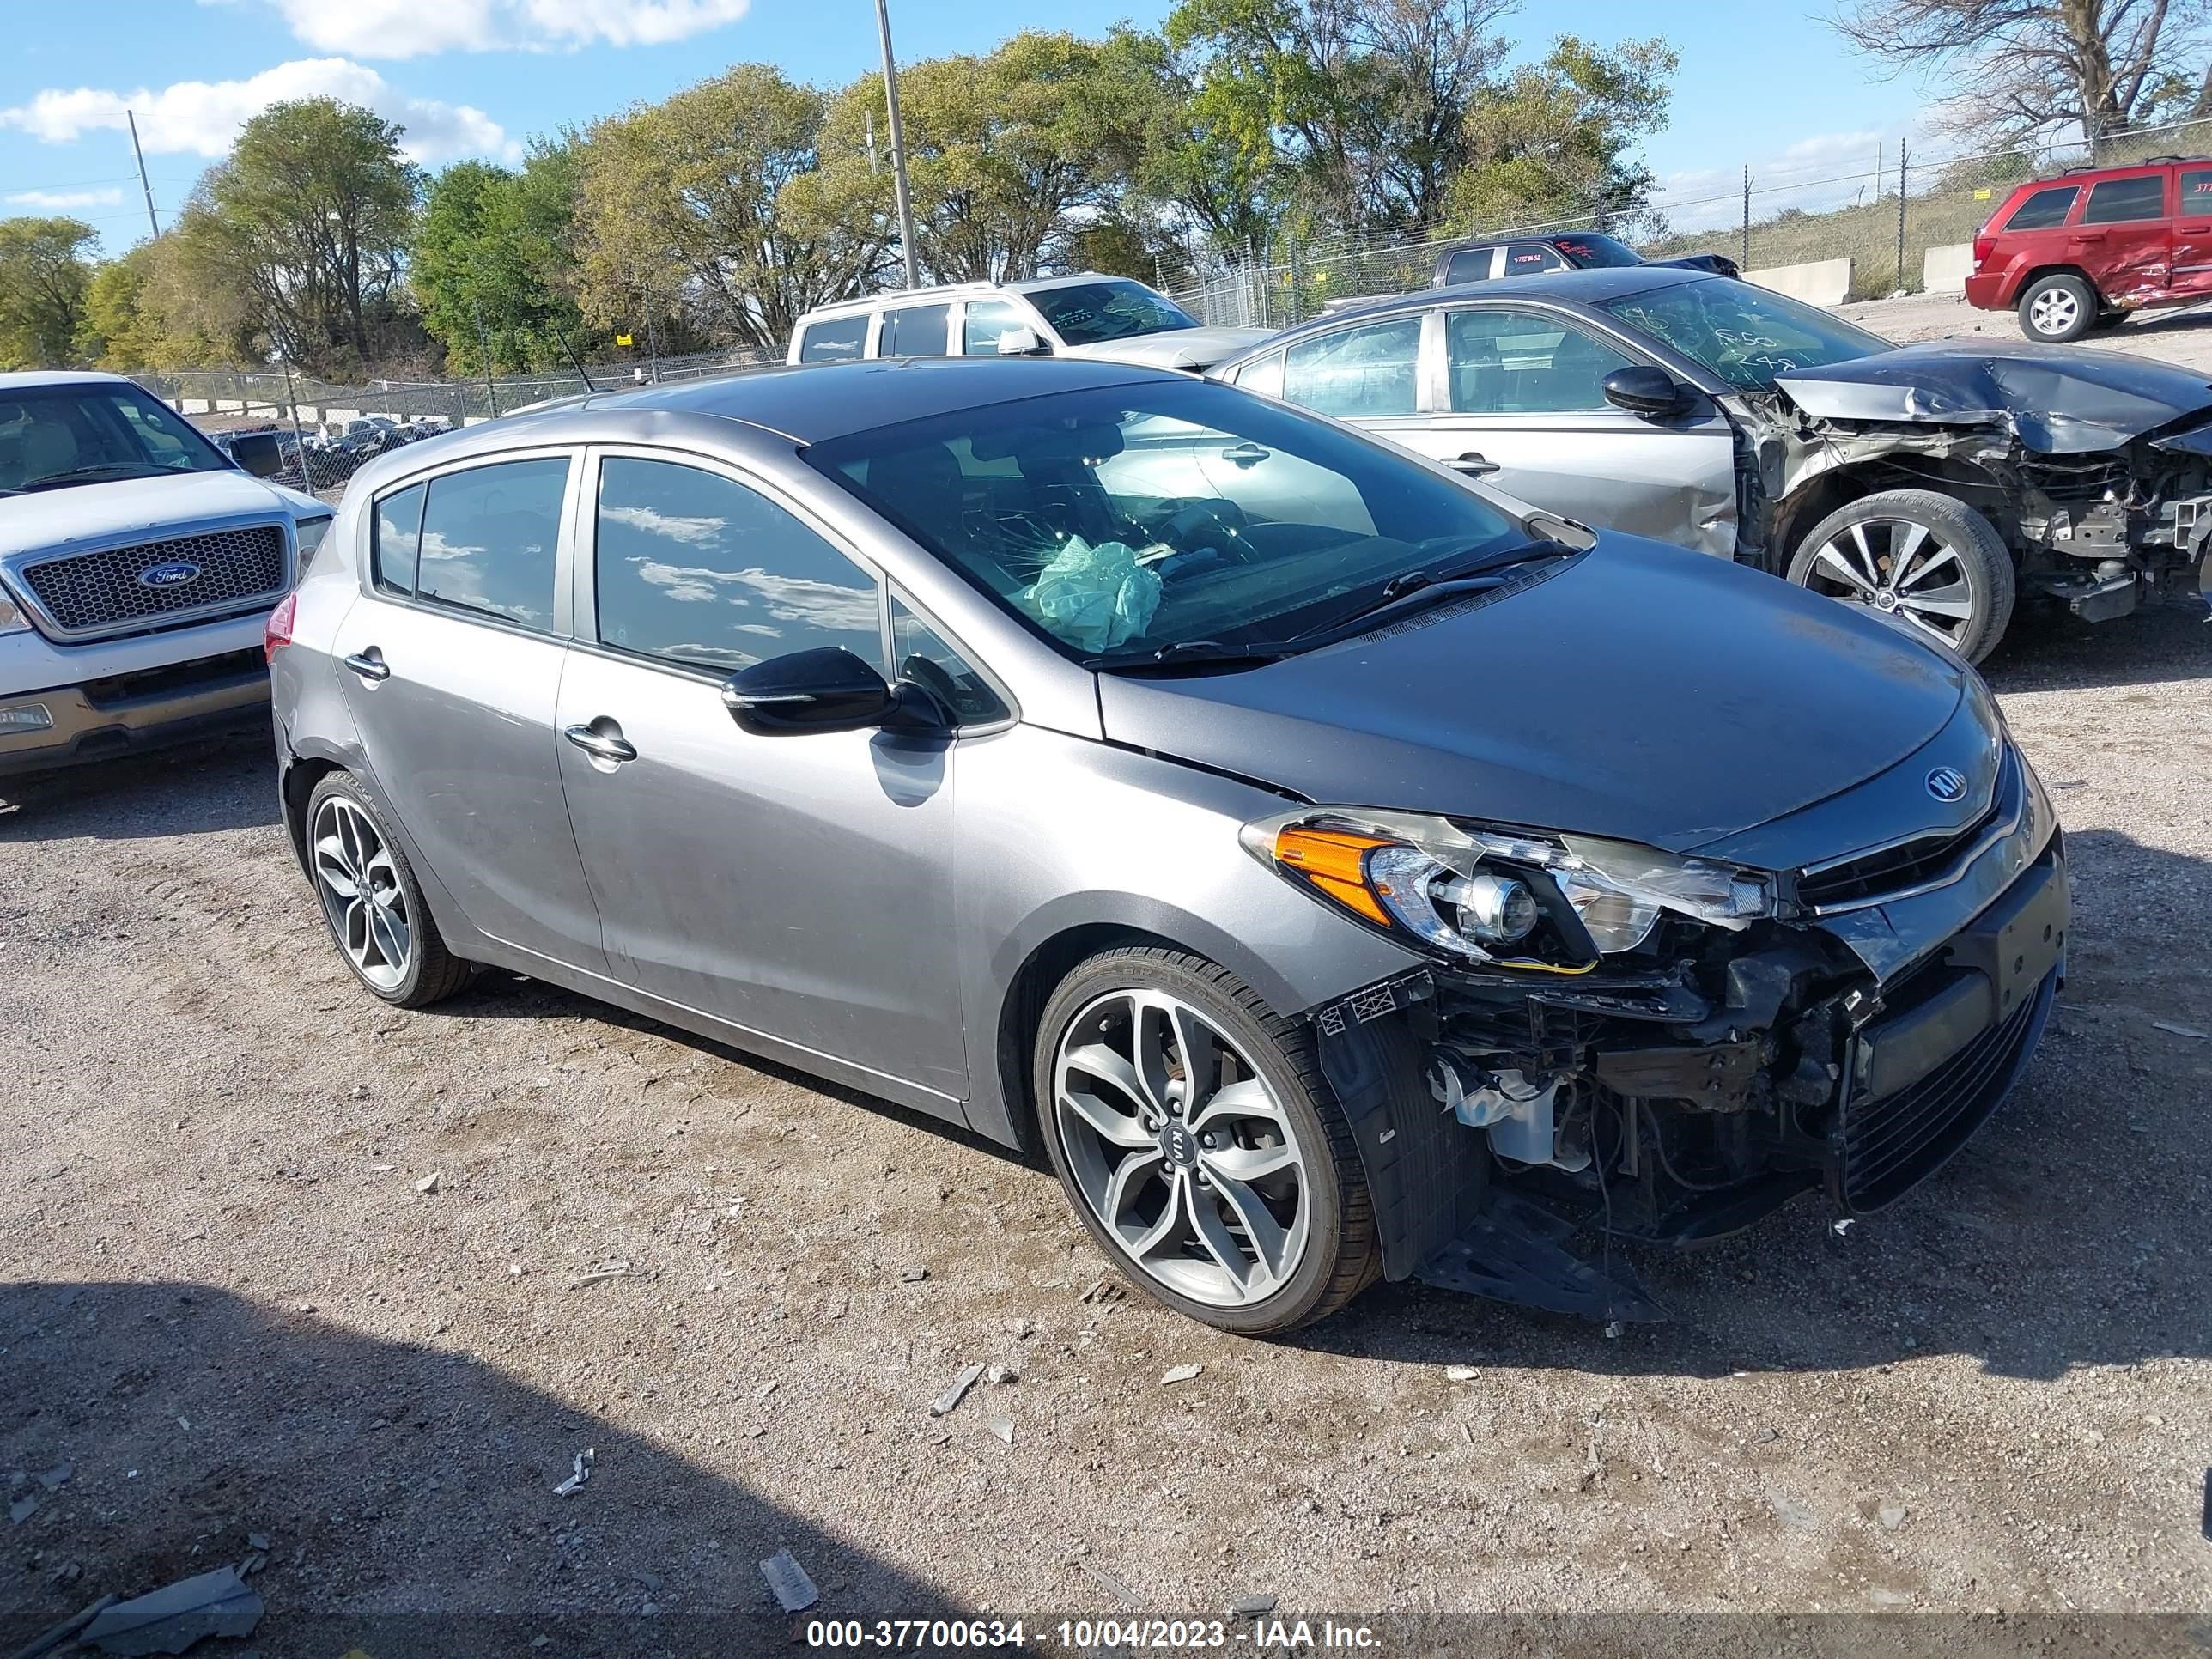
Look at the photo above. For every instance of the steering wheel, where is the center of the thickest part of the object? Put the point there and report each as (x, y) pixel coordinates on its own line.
(1217, 523)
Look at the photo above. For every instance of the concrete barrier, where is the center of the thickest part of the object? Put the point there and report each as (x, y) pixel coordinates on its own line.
(191, 405)
(1820, 282)
(229, 405)
(1946, 269)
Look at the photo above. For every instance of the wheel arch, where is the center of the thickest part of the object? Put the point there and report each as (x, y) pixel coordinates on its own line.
(1840, 485)
(2035, 274)
(300, 780)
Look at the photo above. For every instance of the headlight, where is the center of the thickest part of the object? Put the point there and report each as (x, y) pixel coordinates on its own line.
(309, 533)
(1550, 902)
(12, 619)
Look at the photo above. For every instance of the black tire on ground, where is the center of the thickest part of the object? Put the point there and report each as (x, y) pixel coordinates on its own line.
(2058, 308)
(1870, 542)
(433, 973)
(1342, 1255)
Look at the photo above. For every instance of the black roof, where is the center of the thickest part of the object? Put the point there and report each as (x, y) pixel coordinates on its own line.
(811, 403)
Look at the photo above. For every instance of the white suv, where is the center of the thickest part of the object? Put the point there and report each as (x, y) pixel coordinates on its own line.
(1082, 316)
(138, 565)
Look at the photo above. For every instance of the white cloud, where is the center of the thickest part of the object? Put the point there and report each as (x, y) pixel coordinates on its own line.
(202, 118)
(54, 200)
(418, 28)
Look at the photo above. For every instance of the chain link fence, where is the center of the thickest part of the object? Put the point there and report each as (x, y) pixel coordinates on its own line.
(1903, 221)
(318, 433)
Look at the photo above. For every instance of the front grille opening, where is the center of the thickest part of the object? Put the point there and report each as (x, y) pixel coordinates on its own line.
(114, 689)
(1909, 863)
(90, 592)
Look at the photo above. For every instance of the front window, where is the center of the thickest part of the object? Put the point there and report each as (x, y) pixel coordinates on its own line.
(1525, 362)
(1592, 252)
(1084, 313)
(1128, 522)
(1744, 334)
(57, 437)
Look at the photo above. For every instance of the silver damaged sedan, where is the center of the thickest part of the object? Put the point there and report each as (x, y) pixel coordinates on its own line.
(1337, 872)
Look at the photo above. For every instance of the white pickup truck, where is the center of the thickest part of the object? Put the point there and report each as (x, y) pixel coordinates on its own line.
(138, 565)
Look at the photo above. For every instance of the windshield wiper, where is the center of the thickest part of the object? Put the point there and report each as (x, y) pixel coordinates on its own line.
(1469, 576)
(85, 474)
(1190, 654)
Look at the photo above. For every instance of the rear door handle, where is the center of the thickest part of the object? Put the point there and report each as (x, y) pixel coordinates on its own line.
(369, 664)
(1472, 462)
(2195, 230)
(601, 746)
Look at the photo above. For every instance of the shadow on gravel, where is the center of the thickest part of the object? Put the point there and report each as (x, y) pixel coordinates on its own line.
(219, 783)
(2168, 642)
(405, 1492)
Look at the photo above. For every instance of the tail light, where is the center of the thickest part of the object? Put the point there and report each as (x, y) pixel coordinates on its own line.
(1984, 240)
(278, 633)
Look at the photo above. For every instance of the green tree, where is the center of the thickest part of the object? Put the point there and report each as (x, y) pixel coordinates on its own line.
(307, 222)
(1556, 139)
(43, 279)
(703, 205)
(491, 249)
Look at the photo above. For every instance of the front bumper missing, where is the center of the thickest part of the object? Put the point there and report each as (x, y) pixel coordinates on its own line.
(1921, 1057)
(93, 723)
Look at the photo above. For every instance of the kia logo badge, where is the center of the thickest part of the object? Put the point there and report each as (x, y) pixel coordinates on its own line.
(1948, 783)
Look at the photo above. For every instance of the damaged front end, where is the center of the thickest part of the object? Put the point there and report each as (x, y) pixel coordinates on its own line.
(1629, 1044)
(2096, 467)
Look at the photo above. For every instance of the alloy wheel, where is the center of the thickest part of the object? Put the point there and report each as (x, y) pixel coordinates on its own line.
(2053, 311)
(361, 893)
(1180, 1148)
(1899, 566)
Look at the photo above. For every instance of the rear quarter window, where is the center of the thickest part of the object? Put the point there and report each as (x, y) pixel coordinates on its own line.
(834, 340)
(2044, 209)
(1471, 265)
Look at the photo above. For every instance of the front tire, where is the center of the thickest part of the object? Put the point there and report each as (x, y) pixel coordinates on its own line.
(373, 904)
(1924, 559)
(2058, 309)
(1198, 1142)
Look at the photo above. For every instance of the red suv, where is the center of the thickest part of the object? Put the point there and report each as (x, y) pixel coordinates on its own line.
(2075, 252)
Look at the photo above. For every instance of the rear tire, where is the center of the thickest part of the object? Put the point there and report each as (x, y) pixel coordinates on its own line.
(372, 902)
(1923, 559)
(1232, 1191)
(2058, 308)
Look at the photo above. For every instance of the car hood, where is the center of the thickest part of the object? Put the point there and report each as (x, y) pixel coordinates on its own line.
(127, 507)
(1173, 347)
(1643, 692)
(2057, 400)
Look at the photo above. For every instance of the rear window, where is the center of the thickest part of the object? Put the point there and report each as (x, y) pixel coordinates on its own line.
(837, 340)
(2117, 201)
(914, 332)
(2044, 210)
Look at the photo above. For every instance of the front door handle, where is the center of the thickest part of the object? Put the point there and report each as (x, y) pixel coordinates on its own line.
(369, 664)
(1472, 462)
(601, 746)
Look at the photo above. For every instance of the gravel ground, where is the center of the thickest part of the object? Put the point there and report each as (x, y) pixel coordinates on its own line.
(235, 1303)
(2182, 337)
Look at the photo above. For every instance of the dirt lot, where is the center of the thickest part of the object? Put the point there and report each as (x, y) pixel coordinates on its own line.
(2181, 337)
(229, 1306)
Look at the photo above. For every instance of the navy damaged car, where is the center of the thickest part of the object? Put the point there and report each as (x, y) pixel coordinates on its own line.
(1939, 483)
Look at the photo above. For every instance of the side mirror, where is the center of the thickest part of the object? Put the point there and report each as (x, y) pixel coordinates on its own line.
(1642, 390)
(825, 689)
(1023, 342)
(258, 452)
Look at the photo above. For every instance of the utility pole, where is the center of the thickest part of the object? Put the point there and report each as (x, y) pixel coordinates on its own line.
(1900, 215)
(1744, 263)
(142, 185)
(898, 146)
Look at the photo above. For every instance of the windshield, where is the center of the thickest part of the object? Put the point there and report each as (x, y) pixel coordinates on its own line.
(1742, 333)
(1151, 518)
(1588, 249)
(54, 437)
(1084, 314)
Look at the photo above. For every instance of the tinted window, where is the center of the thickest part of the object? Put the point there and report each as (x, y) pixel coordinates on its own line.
(2043, 210)
(489, 540)
(1525, 362)
(1593, 252)
(1470, 265)
(1522, 258)
(398, 529)
(924, 656)
(838, 340)
(696, 567)
(1124, 518)
(2116, 201)
(986, 320)
(914, 332)
(1369, 370)
(2196, 189)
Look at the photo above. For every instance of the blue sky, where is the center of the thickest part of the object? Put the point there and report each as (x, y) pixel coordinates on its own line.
(1758, 83)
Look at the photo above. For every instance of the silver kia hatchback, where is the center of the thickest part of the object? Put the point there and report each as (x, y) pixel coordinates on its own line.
(1335, 870)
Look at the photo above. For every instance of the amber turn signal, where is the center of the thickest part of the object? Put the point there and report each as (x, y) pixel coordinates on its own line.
(1335, 862)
